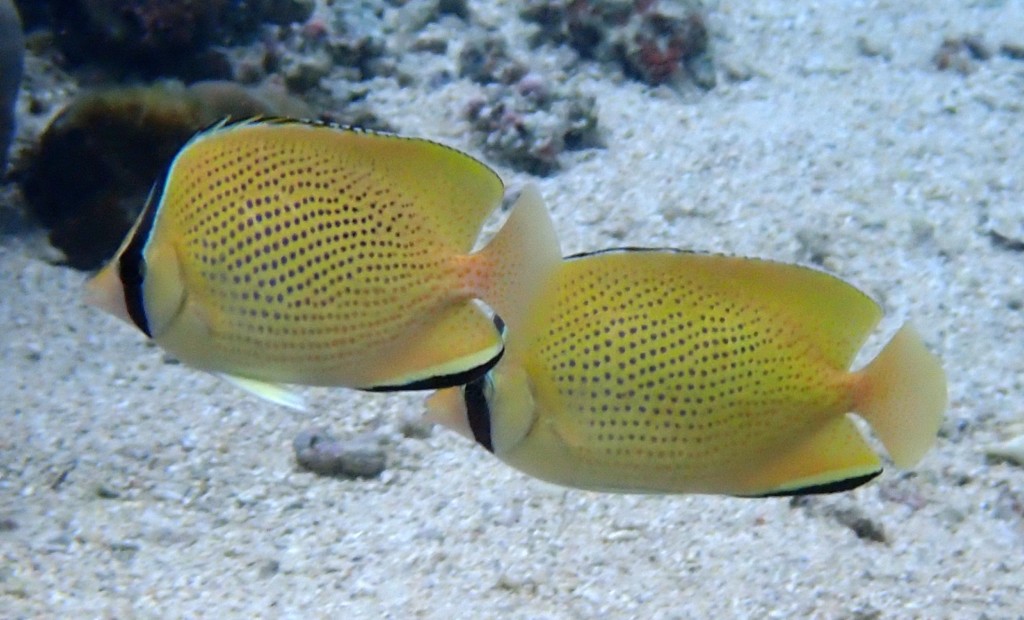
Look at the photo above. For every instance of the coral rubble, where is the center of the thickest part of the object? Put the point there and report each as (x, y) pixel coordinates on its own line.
(655, 42)
(524, 118)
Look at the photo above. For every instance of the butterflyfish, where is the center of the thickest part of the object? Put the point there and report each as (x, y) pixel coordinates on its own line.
(280, 252)
(668, 372)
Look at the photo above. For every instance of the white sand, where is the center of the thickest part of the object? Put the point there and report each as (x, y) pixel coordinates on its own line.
(891, 169)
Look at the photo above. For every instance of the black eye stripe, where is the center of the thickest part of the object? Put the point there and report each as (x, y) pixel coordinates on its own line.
(478, 412)
(132, 264)
(499, 323)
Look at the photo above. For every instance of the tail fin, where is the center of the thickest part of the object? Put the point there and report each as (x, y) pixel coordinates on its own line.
(904, 397)
(520, 258)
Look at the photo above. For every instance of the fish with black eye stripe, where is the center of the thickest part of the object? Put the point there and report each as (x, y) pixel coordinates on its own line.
(279, 251)
(659, 371)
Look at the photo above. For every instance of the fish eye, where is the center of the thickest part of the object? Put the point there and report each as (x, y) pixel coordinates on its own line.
(499, 323)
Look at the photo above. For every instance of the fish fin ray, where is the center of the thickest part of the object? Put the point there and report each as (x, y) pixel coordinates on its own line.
(836, 458)
(904, 396)
(276, 393)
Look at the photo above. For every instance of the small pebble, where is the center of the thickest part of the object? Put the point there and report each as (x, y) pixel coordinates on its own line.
(104, 491)
(960, 54)
(864, 527)
(1013, 51)
(269, 569)
(124, 550)
(319, 452)
(874, 46)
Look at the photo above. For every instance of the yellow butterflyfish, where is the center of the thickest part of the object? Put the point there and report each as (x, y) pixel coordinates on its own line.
(287, 252)
(668, 372)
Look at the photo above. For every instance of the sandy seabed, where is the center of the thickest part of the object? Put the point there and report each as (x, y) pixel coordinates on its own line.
(132, 487)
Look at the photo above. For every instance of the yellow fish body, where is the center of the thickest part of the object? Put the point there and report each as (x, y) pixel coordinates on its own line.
(662, 371)
(283, 251)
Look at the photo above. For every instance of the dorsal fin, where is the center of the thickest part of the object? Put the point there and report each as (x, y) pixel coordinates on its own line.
(834, 315)
(450, 188)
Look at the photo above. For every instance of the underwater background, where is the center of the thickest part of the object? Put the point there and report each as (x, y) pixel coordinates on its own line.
(878, 140)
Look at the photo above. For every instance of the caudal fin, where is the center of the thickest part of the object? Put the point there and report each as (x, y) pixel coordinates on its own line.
(904, 397)
(520, 258)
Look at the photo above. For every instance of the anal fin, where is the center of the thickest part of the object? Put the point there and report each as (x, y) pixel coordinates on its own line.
(459, 346)
(835, 459)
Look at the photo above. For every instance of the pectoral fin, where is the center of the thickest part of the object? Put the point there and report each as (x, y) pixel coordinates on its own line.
(274, 392)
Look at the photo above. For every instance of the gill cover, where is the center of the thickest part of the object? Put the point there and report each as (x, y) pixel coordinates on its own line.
(511, 407)
(163, 288)
(497, 410)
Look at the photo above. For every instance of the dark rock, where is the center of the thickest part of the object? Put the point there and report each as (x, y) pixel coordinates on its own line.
(156, 38)
(89, 176)
(864, 527)
(12, 58)
(321, 453)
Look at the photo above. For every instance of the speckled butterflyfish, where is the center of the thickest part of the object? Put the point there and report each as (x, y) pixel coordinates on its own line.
(280, 251)
(668, 372)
